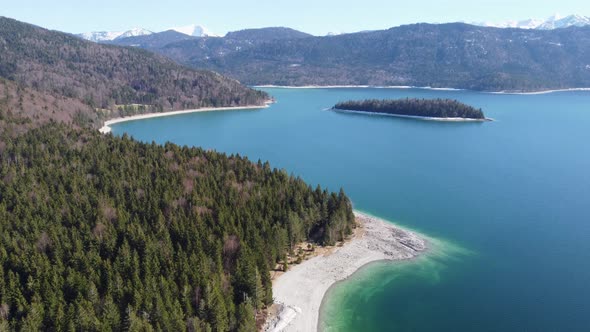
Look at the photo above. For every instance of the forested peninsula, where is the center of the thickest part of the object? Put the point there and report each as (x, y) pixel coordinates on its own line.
(412, 107)
(104, 233)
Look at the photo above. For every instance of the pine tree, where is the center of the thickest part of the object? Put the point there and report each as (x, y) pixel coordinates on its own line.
(246, 318)
(34, 316)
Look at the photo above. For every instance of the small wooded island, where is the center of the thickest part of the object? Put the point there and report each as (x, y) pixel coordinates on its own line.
(429, 109)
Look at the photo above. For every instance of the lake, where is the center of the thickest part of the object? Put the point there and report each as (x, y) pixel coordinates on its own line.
(507, 203)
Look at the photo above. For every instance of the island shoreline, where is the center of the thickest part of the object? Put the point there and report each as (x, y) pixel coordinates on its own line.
(105, 129)
(413, 117)
(302, 290)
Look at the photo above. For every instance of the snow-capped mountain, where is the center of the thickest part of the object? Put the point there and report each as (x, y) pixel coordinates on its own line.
(554, 22)
(525, 24)
(557, 22)
(98, 36)
(194, 30)
(101, 36)
(106, 36)
(134, 33)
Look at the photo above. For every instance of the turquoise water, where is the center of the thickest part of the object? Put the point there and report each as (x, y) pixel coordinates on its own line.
(508, 201)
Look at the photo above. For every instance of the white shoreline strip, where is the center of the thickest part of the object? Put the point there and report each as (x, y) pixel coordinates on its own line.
(542, 92)
(354, 86)
(415, 87)
(425, 118)
(300, 291)
(107, 129)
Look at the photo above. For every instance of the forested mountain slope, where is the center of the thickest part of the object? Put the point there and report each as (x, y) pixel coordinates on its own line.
(33, 108)
(104, 76)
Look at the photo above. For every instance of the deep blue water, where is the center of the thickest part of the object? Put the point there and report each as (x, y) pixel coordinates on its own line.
(511, 196)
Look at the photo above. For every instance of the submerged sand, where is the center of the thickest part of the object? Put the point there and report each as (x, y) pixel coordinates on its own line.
(300, 291)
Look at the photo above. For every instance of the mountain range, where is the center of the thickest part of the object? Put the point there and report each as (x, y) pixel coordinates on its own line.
(554, 22)
(452, 55)
(193, 30)
(552, 54)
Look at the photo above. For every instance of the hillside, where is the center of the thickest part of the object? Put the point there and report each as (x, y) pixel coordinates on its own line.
(104, 77)
(33, 108)
(446, 55)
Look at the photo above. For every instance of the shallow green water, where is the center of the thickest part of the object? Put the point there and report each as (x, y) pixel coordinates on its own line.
(347, 299)
(508, 201)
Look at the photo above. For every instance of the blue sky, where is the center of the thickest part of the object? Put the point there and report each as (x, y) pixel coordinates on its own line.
(313, 16)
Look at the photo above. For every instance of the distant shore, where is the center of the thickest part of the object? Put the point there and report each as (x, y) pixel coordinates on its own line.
(354, 86)
(423, 118)
(541, 92)
(417, 87)
(299, 292)
(105, 129)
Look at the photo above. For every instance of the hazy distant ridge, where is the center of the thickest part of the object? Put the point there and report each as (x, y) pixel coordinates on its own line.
(554, 22)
